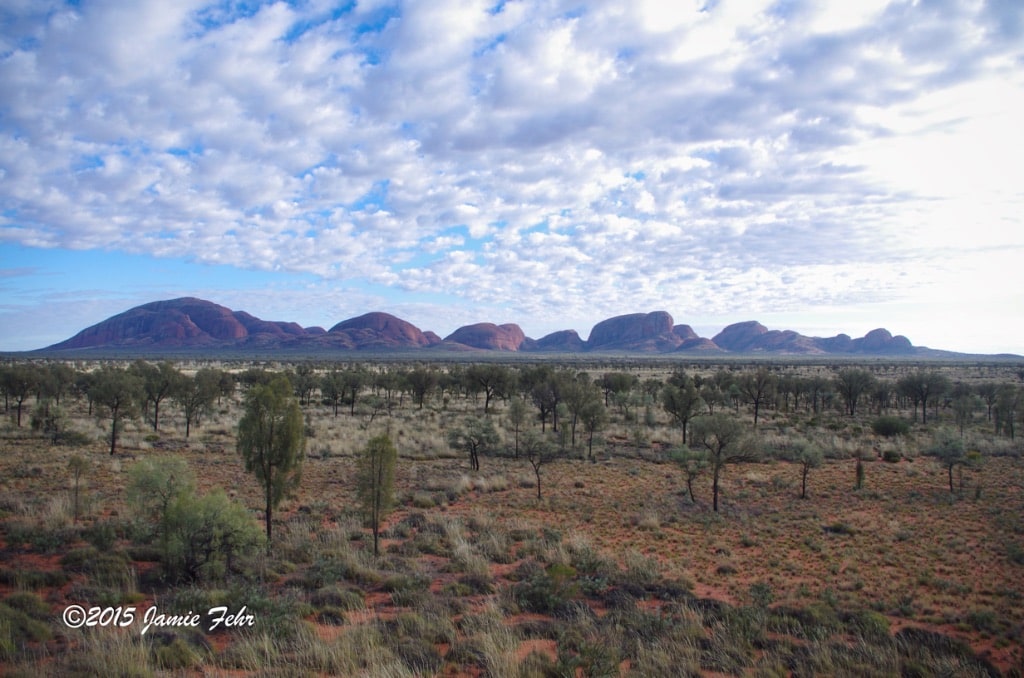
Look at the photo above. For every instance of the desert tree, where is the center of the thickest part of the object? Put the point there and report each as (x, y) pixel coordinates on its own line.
(271, 441)
(988, 392)
(539, 384)
(563, 433)
(628, 402)
(950, 451)
(375, 481)
(809, 455)
(448, 383)
(726, 442)
(881, 395)
(258, 376)
(421, 380)
(475, 436)
(304, 380)
(82, 388)
(391, 383)
(516, 414)
(578, 394)
(724, 380)
(693, 463)
(965, 404)
(49, 419)
(711, 395)
(196, 396)
(19, 382)
(333, 389)
(353, 379)
(921, 386)
(60, 379)
(1005, 411)
(539, 451)
(159, 382)
(817, 390)
(494, 381)
(757, 387)
(594, 417)
(117, 394)
(226, 384)
(853, 383)
(77, 465)
(681, 399)
(154, 486)
(208, 535)
(613, 383)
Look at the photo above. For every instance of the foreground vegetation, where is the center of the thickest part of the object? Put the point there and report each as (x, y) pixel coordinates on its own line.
(539, 519)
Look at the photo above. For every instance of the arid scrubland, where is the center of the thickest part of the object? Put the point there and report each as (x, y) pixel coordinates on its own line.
(905, 556)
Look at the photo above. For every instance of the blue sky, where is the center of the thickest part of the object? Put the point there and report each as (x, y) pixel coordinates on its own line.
(818, 166)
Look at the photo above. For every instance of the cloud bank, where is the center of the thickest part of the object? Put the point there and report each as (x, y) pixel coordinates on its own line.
(541, 159)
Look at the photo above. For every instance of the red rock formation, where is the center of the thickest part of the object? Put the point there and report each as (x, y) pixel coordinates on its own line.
(561, 341)
(190, 323)
(508, 337)
(634, 332)
(379, 330)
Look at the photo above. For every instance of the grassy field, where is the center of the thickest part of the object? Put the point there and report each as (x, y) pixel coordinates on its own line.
(614, 571)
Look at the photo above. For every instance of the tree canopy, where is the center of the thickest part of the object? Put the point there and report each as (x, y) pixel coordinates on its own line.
(271, 441)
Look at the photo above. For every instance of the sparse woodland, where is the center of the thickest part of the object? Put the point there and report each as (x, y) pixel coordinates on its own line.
(541, 518)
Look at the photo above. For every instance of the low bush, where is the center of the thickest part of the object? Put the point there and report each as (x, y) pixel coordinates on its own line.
(334, 596)
(889, 426)
(19, 627)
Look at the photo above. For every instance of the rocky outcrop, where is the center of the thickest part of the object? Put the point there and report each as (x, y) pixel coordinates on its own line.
(841, 343)
(740, 337)
(167, 324)
(644, 332)
(563, 341)
(753, 337)
(378, 331)
(194, 324)
(254, 325)
(881, 341)
(489, 336)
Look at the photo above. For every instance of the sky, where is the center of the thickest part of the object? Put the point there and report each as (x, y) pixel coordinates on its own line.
(823, 167)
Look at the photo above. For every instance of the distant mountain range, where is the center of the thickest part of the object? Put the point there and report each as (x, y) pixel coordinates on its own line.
(198, 326)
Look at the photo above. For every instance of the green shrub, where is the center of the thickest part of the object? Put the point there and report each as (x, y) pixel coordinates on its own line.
(889, 426)
(29, 603)
(17, 628)
(209, 536)
(478, 583)
(869, 625)
(405, 582)
(839, 527)
(423, 500)
(33, 579)
(39, 538)
(101, 566)
(545, 591)
(102, 535)
(334, 596)
(330, 616)
(174, 653)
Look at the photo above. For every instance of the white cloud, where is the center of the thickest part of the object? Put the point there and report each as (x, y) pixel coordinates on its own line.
(613, 156)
